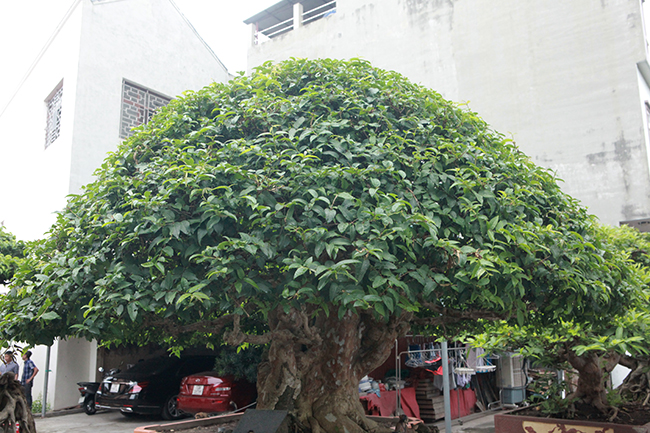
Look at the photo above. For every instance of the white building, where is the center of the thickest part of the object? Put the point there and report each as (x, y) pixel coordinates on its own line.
(106, 68)
(568, 80)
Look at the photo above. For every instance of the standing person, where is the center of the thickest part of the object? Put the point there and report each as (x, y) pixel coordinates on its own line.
(29, 371)
(9, 364)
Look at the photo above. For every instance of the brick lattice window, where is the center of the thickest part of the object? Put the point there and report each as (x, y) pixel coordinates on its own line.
(53, 104)
(138, 106)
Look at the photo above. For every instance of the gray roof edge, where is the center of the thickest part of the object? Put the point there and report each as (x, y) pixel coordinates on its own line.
(274, 8)
(199, 36)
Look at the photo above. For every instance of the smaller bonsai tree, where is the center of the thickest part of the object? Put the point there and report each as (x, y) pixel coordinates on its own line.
(592, 347)
(636, 386)
(590, 351)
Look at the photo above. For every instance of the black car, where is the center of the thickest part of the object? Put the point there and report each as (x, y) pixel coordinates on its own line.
(151, 386)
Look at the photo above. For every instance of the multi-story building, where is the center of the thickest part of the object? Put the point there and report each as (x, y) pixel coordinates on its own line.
(568, 80)
(108, 66)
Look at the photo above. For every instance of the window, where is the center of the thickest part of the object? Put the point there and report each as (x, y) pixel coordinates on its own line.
(53, 105)
(138, 106)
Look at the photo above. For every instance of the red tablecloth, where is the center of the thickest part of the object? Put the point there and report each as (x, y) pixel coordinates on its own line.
(385, 406)
(467, 400)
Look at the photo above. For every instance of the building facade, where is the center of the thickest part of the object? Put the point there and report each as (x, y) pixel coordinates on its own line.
(568, 81)
(108, 67)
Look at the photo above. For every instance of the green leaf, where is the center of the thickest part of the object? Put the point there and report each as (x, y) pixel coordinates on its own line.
(50, 315)
(300, 271)
(132, 310)
(520, 318)
(196, 287)
(330, 214)
(160, 267)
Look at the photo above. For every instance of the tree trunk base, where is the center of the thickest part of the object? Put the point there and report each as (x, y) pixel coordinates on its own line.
(13, 406)
(636, 386)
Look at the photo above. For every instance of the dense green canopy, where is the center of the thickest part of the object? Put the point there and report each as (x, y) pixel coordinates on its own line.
(593, 348)
(328, 185)
(11, 253)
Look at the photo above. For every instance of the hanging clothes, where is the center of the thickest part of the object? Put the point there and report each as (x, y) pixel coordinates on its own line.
(437, 379)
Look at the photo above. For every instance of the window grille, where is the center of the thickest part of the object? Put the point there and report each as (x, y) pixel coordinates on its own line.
(53, 125)
(139, 104)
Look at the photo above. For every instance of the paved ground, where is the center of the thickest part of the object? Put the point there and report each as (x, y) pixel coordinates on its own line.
(114, 422)
(101, 422)
(475, 423)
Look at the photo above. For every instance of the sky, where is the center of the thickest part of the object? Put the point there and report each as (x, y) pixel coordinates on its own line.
(25, 27)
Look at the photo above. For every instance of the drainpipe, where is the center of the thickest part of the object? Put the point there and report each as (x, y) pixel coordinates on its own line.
(47, 374)
(445, 386)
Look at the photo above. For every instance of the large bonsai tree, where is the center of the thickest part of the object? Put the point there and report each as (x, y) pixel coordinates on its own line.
(319, 207)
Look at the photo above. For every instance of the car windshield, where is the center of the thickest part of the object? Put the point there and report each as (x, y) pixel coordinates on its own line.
(153, 366)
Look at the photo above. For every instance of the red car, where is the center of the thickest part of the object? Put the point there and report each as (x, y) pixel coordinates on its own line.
(211, 393)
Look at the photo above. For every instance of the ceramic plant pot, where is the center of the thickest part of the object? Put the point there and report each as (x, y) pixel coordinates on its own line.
(512, 422)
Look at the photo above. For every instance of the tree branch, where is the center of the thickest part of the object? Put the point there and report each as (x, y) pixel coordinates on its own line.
(213, 325)
(628, 361)
(450, 315)
(374, 350)
(236, 337)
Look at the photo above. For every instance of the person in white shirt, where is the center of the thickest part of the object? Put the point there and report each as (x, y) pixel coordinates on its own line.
(9, 364)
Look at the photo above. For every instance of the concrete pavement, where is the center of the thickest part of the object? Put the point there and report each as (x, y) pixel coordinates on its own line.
(101, 422)
(476, 423)
(114, 422)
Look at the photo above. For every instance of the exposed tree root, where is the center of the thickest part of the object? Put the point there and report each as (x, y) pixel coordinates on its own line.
(614, 414)
(636, 386)
(13, 406)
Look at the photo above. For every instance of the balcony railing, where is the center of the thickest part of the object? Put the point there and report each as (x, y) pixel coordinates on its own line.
(297, 19)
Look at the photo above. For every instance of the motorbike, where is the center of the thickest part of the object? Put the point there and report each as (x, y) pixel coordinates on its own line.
(88, 392)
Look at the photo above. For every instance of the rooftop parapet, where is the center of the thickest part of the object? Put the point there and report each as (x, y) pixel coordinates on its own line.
(285, 16)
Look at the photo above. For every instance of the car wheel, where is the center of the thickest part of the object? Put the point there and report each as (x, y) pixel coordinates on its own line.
(89, 405)
(170, 408)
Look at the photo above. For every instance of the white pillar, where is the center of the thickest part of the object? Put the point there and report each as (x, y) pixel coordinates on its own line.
(297, 16)
(253, 27)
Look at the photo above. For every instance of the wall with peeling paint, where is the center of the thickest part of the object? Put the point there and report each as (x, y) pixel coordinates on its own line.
(561, 78)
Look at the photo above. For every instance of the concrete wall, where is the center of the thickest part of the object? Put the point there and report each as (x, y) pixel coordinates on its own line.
(559, 77)
(144, 41)
(33, 179)
(101, 43)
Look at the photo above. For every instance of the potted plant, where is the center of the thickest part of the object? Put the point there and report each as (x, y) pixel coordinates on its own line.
(590, 347)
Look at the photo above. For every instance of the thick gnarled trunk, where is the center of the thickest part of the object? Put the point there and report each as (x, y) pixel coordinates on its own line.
(315, 363)
(13, 406)
(591, 387)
